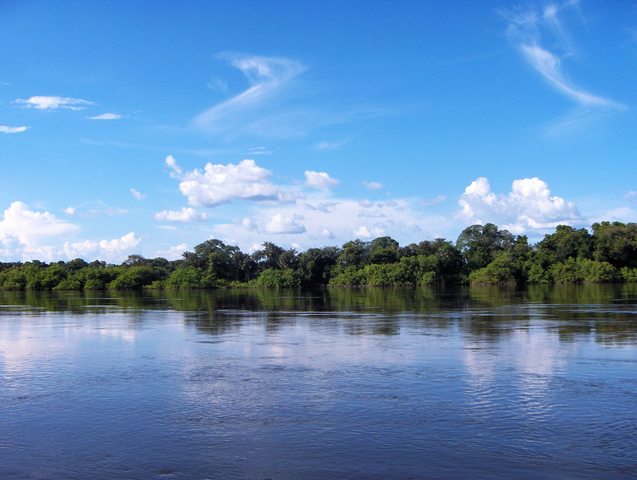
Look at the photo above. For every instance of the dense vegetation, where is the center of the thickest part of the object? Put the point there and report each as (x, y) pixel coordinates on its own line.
(482, 254)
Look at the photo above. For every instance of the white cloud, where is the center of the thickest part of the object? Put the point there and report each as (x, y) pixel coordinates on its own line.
(113, 250)
(373, 185)
(28, 234)
(24, 232)
(549, 66)
(364, 232)
(137, 194)
(319, 180)
(175, 170)
(325, 145)
(172, 253)
(95, 208)
(53, 103)
(218, 183)
(619, 214)
(434, 201)
(531, 30)
(333, 221)
(280, 224)
(528, 207)
(259, 151)
(327, 233)
(186, 214)
(217, 85)
(6, 129)
(631, 194)
(267, 77)
(105, 116)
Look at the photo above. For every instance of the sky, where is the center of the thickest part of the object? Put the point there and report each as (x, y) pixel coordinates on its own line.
(149, 127)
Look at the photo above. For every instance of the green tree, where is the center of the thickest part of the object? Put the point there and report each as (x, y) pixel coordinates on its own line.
(616, 243)
(479, 244)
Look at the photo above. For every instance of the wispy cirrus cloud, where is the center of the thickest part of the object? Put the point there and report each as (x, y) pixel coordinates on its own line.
(93, 209)
(40, 102)
(531, 30)
(106, 116)
(373, 185)
(327, 145)
(267, 77)
(137, 194)
(278, 104)
(7, 130)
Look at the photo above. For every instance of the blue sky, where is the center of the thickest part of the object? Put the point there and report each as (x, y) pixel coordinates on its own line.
(149, 127)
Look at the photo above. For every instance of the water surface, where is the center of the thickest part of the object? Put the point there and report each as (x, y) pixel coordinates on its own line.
(348, 384)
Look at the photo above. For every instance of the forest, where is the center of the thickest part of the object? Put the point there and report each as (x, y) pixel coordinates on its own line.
(482, 254)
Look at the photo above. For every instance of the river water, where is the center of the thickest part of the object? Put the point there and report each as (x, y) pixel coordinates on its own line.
(337, 384)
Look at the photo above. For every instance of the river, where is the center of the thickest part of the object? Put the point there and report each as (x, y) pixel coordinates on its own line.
(337, 384)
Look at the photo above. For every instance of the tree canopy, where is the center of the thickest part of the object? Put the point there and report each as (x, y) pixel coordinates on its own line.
(481, 254)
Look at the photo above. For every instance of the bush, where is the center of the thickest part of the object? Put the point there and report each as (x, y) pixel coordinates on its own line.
(499, 271)
(189, 277)
(273, 278)
(628, 274)
(69, 283)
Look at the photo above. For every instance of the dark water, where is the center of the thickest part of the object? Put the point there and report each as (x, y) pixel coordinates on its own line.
(343, 384)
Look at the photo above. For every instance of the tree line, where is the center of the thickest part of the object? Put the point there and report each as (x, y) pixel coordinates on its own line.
(482, 254)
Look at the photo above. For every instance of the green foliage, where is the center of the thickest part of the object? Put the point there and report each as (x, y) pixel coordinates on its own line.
(483, 253)
(316, 264)
(189, 277)
(501, 270)
(479, 244)
(583, 270)
(272, 278)
(628, 274)
(69, 283)
(133, 278)
(566, 243)
(616, 243)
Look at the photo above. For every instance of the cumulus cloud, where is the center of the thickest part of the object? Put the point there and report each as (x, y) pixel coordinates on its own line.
(334, 222)
(173, 253)
(137, 194)
(27, 234)
(106, 250)
(364, 232)
(105, 116)
(319, 180)
(528, 207)
(29, 227)
(24, 233)
(5, 129)
(373, 185)
(186, 214)
(280, 224)
(218, 183)
(53, 103)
